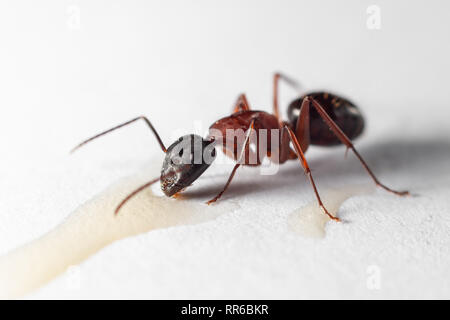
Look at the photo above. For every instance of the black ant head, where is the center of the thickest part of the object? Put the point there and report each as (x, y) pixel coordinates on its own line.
(186, 159)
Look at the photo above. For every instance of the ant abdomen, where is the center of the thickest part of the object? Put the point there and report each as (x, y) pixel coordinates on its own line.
(346, 115)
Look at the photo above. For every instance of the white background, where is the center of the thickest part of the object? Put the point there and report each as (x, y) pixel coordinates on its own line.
(184, 62)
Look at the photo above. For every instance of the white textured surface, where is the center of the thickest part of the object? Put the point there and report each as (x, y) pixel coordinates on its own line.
(182, 63)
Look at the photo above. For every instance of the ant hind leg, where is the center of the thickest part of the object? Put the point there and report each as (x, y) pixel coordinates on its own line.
(348, 143)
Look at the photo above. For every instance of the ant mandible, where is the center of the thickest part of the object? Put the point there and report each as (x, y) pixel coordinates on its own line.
(333, 120)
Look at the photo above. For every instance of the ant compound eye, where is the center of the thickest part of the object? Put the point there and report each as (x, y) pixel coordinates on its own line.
(186, 160)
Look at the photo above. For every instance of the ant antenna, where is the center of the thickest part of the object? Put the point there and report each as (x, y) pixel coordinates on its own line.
(120, 126)
(276, 77)
(132, 194)
(135, 192)
(293, 83)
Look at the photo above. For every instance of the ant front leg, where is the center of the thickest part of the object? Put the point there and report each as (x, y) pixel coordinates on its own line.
(241, 104)
(238, 164)
(345, 140)
(304, 163)
(217, 197)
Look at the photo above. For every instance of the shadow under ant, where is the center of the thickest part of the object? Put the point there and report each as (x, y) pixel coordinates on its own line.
(397, 157)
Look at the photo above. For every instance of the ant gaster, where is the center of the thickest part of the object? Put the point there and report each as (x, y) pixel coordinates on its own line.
(333, 120)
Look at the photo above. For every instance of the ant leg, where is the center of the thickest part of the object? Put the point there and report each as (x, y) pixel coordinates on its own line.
(302, 132)
(135, 192)
(242, 154)
(305, 166)
(226, 185)
(345, 140)
(276, 77)
(161, 144)
(241, 104)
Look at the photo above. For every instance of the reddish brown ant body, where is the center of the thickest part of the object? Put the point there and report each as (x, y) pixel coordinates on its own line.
(332, 121)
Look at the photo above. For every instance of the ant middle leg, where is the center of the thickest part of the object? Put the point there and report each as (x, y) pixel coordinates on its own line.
(304, 163)
(348, 143)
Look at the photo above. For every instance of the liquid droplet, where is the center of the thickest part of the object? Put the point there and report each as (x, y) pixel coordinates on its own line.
(310, 220)
(90, 228)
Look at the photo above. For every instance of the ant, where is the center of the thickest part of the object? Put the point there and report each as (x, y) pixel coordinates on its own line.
(333, 120)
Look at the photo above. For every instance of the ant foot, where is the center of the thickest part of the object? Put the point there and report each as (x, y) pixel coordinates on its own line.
(399, 193)
(214, 199)
(211, 201)
(330, 215)
(403, 193)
